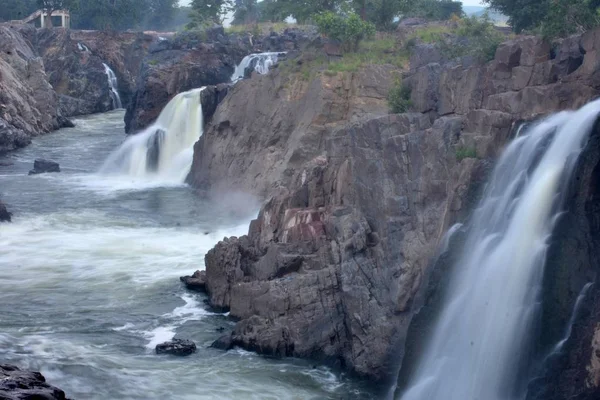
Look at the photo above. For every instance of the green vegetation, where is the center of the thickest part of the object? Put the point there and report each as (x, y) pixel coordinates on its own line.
(553, 18)
(380, 51)
(399, 98)
(349, 31)
(465, 152)
(476, 36)
(435, 9)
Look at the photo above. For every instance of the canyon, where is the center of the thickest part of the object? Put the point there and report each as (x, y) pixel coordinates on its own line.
(348, 260)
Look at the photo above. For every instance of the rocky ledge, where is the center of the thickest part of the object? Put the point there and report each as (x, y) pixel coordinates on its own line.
(357, 200)
(16, 384)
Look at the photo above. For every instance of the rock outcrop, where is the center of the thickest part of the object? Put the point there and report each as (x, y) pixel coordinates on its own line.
(177, 347)
(41, 166)
(358, 200)
(29, 106)
(16, 384)
(5, 216)
(195, 59)
(196, 281)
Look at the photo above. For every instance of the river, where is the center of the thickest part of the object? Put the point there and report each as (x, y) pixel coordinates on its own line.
(89, 282)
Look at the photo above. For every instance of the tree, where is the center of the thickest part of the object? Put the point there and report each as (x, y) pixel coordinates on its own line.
(246, 12)
(348, 30)
(159, 13)
(17, 9)
(205, 12)
(49, 6)
(381, 12)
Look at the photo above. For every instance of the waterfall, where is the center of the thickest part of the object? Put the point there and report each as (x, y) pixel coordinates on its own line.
(83, 48)
(113, 84)
(261, 62)
(163, 151)
(479, 344)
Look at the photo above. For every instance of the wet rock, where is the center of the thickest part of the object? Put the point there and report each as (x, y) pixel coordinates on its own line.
(16, 384)
(225, 342)
(41, 166)
(5, 216)
(177, 347)
(196, 281)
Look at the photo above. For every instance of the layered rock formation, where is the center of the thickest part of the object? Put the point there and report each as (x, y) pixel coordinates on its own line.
(16, 384)
(195, 59)
(358, 200)
(29, 105)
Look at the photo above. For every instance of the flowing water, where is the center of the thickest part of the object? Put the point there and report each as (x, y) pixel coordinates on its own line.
(479, 347)
(89, 281)
(164, 151)
(114, 86)
(262, 63)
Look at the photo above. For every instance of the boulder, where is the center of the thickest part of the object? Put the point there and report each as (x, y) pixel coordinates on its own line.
(41, 166)
(196, 281)
(16, 384)
(5, 216)
(177, 347)
(225, 342)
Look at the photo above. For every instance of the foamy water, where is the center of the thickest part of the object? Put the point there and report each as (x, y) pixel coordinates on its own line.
(89, 282)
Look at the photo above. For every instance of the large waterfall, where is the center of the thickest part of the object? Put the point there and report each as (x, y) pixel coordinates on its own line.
(479, 345)
(113, 84)
(261, 62)
(165, 149)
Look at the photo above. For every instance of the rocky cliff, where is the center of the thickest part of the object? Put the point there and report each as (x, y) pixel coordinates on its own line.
(29, 105)
(195, 59)
(335, 266)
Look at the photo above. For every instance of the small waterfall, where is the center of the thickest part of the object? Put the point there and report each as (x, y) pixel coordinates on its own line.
(163, 151)
(83, 48)
(114, 85)
(261, 62)
(479, 346)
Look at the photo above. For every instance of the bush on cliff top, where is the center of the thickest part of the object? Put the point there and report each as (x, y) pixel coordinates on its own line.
(348, 30)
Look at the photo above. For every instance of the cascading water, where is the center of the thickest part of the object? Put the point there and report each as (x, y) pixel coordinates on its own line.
(114, 85)
(262, 62)
(479, 343)
(164, 151)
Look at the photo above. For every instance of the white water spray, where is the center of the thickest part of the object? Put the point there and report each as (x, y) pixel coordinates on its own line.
(262, 63)
(482, 334)
(163, 151)
(83, 48)
(114, 85)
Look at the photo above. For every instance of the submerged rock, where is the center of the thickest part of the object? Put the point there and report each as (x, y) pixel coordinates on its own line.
(41, 166)
(177, 347)
(5, 216)
(196, 281)
(16, 384)
(225, 342)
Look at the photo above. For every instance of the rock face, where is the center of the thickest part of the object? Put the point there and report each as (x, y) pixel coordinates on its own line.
(195, 59)
(357, 200)
(29, 106)
(177, 347)
(16, 384)
(41, 166)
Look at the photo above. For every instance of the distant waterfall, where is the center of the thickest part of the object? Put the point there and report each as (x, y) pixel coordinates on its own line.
(261, 61)
(164, 150)
(480, 340)
(112, 82)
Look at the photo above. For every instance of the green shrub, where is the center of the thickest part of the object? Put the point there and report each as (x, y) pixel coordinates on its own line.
(399, 98)
(465, 152)
(477, 37)
(349, 31)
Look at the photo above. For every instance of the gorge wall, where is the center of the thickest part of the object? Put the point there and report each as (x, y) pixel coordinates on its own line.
(48, 75)
(339, 259)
